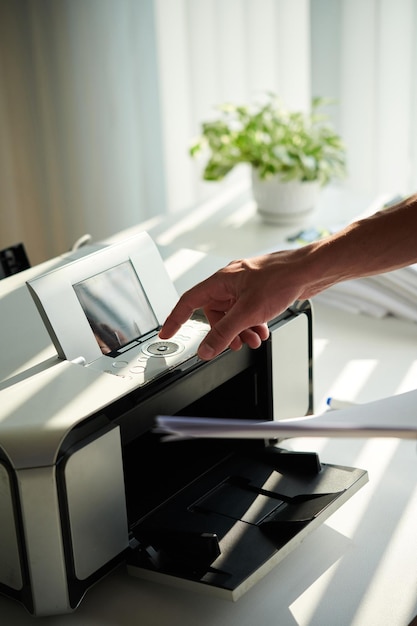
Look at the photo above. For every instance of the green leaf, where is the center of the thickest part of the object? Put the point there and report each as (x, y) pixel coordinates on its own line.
(273, 139)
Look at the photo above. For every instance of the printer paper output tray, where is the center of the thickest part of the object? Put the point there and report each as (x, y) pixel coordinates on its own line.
(233, 524)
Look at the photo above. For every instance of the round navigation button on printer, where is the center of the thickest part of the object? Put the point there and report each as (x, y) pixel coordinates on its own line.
(163, 348)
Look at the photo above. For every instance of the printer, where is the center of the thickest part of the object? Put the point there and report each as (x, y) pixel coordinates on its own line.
(86, 481)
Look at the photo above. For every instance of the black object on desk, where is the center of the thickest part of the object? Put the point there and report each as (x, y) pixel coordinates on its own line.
(13, 260)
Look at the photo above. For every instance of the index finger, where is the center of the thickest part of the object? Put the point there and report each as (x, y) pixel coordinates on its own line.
(189, 302)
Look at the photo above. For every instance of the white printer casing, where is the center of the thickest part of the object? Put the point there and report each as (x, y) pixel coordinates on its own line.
(85, 482)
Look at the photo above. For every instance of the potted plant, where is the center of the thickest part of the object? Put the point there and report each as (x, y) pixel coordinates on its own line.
(292, 154)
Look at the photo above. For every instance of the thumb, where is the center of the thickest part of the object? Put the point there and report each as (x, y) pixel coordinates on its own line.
(223, 333)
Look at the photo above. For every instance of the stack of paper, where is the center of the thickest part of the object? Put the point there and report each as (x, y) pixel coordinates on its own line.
(391, 293)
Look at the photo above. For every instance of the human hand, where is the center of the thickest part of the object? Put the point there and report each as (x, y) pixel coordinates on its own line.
(238, 302)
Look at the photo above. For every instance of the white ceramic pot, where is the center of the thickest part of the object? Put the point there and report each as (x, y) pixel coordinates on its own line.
(284, 203)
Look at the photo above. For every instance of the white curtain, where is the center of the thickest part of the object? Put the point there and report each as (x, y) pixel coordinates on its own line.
(99, 100)
(211, 51)
(80, 147)
(364, 54)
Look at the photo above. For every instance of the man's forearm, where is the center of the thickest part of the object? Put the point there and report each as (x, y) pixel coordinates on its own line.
(383, 242)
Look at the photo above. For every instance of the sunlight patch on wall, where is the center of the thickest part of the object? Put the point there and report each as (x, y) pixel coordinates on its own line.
(409, 381)
(354, 377)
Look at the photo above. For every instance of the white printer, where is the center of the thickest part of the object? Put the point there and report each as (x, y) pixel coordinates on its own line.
(85, 481)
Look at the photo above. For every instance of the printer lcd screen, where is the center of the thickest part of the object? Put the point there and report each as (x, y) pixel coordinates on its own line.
(116, 306)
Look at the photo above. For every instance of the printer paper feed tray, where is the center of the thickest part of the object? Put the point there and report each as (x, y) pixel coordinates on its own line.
(229, 528)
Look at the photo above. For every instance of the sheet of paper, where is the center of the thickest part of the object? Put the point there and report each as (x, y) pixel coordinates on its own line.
(395, 416)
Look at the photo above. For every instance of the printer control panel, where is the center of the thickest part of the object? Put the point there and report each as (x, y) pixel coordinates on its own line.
(142, 362)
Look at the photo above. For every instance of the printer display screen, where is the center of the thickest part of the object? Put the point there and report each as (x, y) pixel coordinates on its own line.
(116, 306)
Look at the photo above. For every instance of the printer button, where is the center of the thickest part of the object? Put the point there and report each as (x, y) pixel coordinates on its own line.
(119, 364)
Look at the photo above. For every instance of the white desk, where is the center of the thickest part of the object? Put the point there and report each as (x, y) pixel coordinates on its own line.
(359, 568)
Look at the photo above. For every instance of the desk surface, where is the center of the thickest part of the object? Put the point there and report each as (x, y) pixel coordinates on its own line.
(359, 567)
